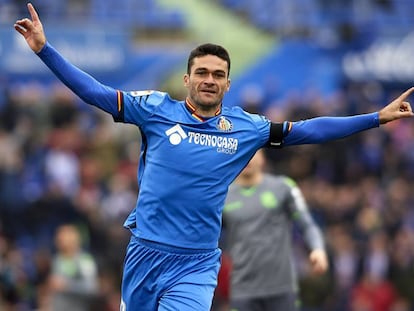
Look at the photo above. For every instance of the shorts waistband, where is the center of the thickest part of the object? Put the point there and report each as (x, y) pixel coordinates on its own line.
(172, 248)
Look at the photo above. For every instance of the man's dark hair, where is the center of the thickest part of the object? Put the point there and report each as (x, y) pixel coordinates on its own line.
(208, 49)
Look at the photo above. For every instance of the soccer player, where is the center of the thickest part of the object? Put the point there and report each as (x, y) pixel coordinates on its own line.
(258, 219)
(73, 280)
(191, 151)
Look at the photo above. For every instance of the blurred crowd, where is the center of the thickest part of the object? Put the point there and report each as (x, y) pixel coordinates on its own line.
(65, 166)
(61, 163)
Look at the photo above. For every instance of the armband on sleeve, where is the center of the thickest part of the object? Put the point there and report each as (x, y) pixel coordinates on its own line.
(278, 132)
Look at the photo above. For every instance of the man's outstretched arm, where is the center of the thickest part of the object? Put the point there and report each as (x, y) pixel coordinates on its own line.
(81, 83)
(323, 129)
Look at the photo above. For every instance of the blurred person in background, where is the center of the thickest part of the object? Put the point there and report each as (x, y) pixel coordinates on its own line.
(10, 272)
(192, 150)
(345, 260)
(73, 282)
(401, 270)
(258, 218)
(373, 291)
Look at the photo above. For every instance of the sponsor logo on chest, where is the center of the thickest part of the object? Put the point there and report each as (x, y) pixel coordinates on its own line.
(222, 144)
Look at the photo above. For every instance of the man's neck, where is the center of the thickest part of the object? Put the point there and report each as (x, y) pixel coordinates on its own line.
(202, 112)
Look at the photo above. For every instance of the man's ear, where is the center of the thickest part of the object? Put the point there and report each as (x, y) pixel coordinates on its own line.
(228, 84)
(186, 79)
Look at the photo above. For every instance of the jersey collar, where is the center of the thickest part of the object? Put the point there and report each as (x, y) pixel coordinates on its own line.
(190, 107)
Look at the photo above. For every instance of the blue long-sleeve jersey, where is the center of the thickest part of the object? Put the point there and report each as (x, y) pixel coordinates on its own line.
(186, 163)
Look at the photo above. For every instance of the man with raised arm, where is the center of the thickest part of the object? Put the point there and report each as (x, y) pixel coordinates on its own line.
(192, 150)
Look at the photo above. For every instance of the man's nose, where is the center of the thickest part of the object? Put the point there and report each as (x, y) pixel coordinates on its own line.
(209, 79)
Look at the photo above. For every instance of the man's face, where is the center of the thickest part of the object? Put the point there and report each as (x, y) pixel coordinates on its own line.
(207, 82)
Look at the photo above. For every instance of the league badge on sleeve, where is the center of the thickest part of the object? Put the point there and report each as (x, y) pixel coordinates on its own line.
(141, 93)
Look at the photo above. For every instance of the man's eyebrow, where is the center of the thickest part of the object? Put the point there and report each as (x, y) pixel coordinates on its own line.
(206, 69)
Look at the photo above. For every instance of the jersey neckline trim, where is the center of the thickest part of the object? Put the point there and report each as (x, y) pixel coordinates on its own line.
(190, 107)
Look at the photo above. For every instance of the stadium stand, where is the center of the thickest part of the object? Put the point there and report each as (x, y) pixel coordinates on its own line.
(143, 14)
(306, 17)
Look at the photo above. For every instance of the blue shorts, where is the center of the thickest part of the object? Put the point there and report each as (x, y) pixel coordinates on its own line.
(158, 277)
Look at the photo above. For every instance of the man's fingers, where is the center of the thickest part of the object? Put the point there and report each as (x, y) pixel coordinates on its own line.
(33, 12)
(20, 28)
(23, 25)
(406, 106)
(407, 93)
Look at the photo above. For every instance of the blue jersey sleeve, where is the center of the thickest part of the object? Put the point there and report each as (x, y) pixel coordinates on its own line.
(137, 106)
(263, 127)
(323, 129)
(85, 86)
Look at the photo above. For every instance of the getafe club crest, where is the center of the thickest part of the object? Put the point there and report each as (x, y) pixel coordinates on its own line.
(224, 124)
